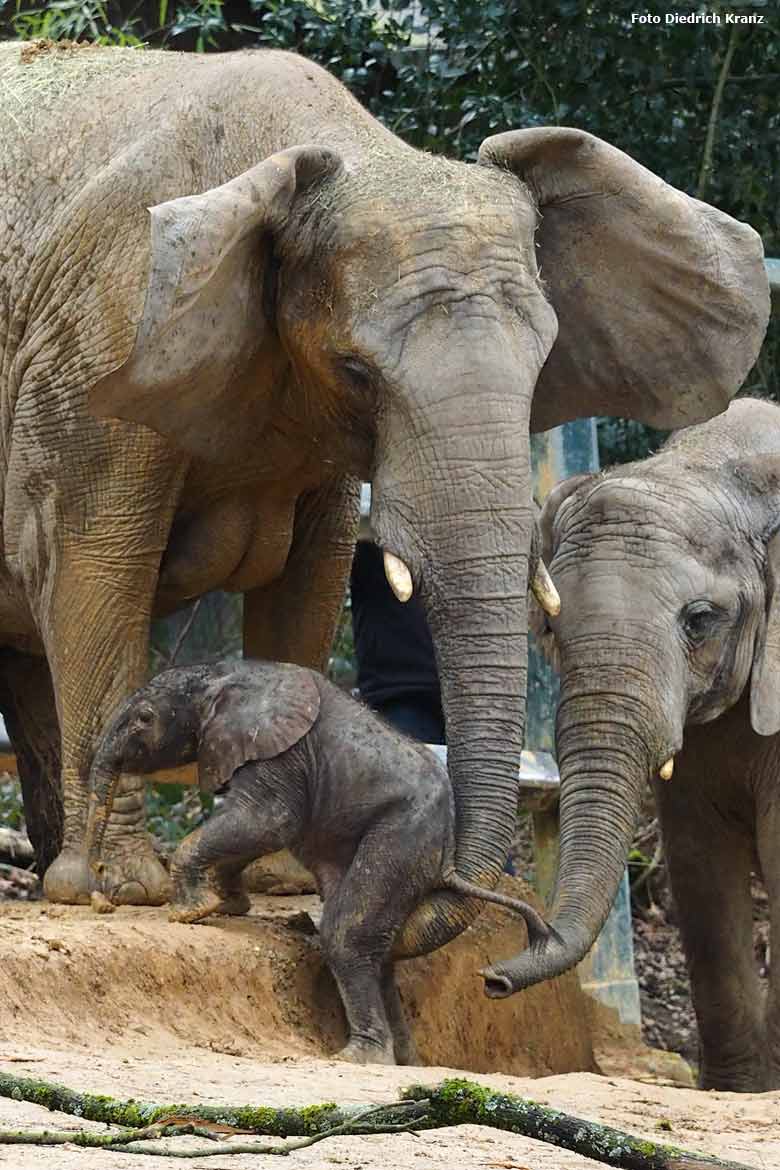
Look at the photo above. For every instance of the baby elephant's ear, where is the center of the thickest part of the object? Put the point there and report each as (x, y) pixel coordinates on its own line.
(765, 681)
(255, 715)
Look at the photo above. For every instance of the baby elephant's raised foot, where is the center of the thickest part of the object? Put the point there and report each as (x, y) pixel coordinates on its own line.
(364, 1052)
(210, 903)
(198, 890)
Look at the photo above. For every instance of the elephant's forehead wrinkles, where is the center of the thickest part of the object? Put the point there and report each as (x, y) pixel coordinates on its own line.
(702, 519)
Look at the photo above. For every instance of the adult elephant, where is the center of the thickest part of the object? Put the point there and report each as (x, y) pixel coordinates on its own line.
(668, 643)
(316, 302)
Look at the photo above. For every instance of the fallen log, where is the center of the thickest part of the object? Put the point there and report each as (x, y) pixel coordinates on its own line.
(15, 848)
(452, 1103)
(292, 1122)
(462, 1102)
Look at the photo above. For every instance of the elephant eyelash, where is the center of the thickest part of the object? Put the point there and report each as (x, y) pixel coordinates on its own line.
(360, 376)
(698, 620)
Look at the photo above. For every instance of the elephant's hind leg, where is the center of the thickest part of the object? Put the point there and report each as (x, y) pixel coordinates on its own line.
(30, 713)
(359, 925)
(403, 1040)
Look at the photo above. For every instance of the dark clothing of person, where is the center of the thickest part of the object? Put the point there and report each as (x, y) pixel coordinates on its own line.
(396, 673)
(419, 718)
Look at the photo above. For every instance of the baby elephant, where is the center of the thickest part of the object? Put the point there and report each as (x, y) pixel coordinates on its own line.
(305, 767)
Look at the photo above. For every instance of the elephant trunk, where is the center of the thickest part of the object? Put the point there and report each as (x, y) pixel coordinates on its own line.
(470, 561)
(105, 775)
(605, 759)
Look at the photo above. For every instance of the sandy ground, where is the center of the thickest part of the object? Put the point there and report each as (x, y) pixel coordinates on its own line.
(244, 1012)
(744, 1128)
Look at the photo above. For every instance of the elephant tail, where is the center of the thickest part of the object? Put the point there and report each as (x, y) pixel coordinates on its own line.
(450, 909)
(538, 930)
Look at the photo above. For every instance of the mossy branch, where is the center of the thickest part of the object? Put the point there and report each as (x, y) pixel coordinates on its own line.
(454, 1102)
(302, 1122)
(461, 1102)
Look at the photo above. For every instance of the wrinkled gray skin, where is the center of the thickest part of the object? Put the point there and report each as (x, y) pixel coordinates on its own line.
(232, 253)
(669, 645)
(305, 767)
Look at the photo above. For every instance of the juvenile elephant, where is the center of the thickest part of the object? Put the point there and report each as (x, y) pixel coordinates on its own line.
(668, 642)
(280, 297)
(304, 767)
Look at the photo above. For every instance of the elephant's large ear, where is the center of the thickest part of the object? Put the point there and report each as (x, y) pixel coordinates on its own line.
(204, 351)
(254, 714)
(662, 301)
(765, 680)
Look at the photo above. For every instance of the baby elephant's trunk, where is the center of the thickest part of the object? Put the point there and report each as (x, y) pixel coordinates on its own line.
(104, 778)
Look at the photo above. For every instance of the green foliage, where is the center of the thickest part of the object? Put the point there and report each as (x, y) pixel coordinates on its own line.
(70, 20)
(11, 810)
(174, 810)
(622, 440)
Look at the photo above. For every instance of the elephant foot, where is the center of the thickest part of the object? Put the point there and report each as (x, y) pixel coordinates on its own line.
(365, 1052)
(210, 902)
(69, 879)
(279, 874)
(406, 1052)
(133, 877)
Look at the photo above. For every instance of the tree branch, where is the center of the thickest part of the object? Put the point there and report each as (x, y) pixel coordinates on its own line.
(712, 125)
(461, 1102)
(454, 1102)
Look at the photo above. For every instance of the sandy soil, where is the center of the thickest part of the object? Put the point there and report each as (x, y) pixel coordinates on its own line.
(244, 1012)
(745, 1128)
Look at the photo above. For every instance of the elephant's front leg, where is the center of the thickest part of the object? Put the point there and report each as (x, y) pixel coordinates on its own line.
(709, 856)
(294, 618)
(261, 814)
(94, 612)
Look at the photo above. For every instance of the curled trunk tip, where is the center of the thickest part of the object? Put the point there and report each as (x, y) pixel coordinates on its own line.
(545, 958)
(497, 986)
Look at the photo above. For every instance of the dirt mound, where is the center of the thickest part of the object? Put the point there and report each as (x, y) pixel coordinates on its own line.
(257, 986)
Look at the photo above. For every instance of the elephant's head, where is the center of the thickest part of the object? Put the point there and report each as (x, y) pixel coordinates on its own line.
(668, 572)
(157, 727)
(410, 318)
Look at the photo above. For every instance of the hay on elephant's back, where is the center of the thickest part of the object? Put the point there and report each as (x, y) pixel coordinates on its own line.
(35, 76)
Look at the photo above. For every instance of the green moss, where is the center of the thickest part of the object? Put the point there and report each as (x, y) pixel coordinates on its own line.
(460, 1101)
(302, 1122)
(317, 1117)
(132, 1114)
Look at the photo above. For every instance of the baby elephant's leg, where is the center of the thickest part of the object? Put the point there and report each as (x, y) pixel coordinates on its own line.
(206, 868)
(386, 880)
(403, 1040)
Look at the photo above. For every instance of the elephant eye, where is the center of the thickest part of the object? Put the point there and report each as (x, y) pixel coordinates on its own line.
(145, 716)
(698, 621)
(360, 376)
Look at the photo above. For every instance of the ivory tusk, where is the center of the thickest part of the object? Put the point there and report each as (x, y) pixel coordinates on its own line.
(544, 591)
(398, 576)
(666, 772)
